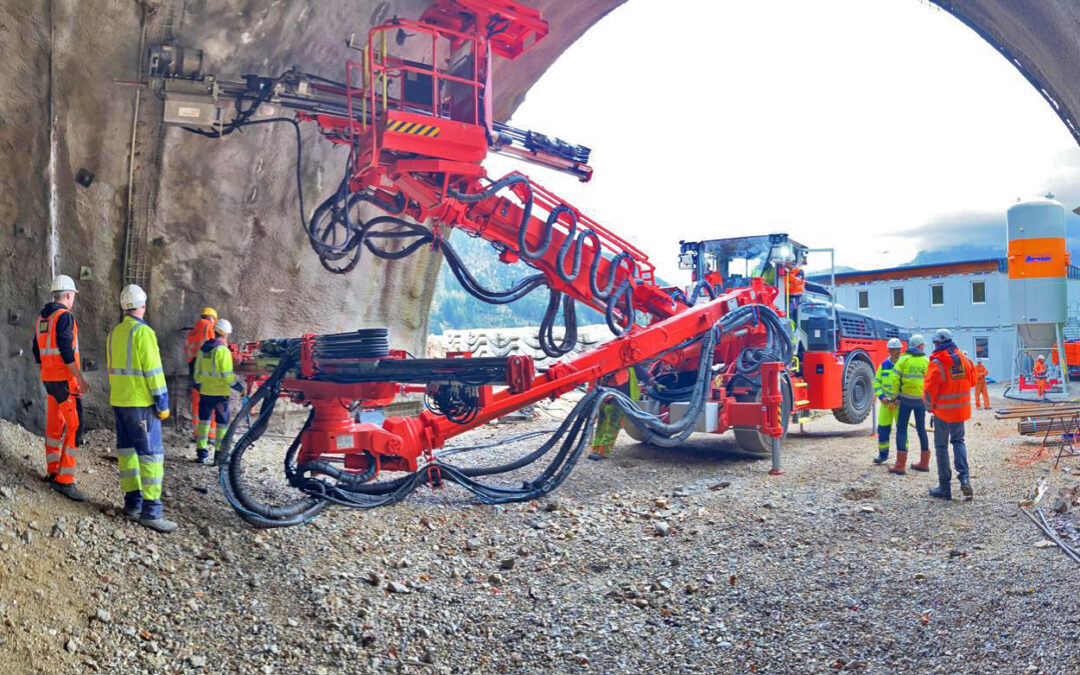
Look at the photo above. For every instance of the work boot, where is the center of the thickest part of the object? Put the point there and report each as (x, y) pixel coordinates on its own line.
(940, 492)
(596, 456)
(48, 478)
(70, 491)
(202, 456)
(162, 525)
(924, 462)
(901, 462)
(969, 494)
(133, 513)
(881, 459)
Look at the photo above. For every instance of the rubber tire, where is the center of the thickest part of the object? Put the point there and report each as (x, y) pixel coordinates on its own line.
(858, 381)
(751, 440)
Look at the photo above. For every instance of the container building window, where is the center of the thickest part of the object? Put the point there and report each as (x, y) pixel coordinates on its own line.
(898, 297)
(937, 295)
(864, 299)
(978, 292)
(982, 348)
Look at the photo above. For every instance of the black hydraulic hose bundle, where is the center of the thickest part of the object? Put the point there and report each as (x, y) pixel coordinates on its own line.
(250, 509)
(778, 348)
(324, 483)
(616, 298)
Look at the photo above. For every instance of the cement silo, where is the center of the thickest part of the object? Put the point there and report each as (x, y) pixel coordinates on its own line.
(1038, 293)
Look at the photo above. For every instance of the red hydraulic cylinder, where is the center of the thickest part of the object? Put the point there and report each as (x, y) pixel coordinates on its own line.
(772, 399)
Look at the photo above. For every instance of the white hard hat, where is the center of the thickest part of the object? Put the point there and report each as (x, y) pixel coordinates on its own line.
(916, 341)
(942, 335)
(63, 283)
(1041, 357)
(132, 297)
(223, 327)
(894, 343)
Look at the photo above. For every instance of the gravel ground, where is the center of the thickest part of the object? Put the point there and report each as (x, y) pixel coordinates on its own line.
(692, 560)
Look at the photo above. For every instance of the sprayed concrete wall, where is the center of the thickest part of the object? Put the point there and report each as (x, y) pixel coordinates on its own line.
(220, 218)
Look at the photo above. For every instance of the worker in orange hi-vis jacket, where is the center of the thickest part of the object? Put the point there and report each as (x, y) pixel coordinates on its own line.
(947, 386)
(981, 395)
(1040, 375)
(202, 331)
(56, 349)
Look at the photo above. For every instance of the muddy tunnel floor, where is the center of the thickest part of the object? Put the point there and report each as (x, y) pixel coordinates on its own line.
(685, 560)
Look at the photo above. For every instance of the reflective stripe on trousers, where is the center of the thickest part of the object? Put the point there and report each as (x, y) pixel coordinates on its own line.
(140, 458)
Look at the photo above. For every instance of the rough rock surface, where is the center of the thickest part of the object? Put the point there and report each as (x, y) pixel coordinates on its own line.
(685, 560)
(225, 226)
(1040, 38)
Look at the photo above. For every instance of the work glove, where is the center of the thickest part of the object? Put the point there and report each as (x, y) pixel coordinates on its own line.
(237, 387)
(196, 386)
(163, 415)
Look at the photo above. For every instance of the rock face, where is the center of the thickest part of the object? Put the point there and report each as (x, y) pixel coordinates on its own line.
(1040, 38)
(214, 221)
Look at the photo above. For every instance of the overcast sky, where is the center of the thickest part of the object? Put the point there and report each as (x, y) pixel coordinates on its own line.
(849, 124)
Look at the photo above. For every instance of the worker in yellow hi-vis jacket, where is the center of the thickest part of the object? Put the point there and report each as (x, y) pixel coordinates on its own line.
(140, 403)
(214, 378)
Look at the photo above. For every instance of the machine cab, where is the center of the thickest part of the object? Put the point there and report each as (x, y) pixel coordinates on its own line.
(731, 263)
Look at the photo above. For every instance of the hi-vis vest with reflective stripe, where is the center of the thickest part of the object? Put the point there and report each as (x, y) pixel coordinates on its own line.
(135, 373)
(202, 331)
(53, 368)
(912, 369)
(214, 371)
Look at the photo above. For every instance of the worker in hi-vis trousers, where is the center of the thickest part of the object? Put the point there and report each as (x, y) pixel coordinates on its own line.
(980, 386)
(1040, 375)
(202, 331)
(609, 419)
(140, 404)
(886, 389)
(56, 349)
(911, 368)
(214, 378)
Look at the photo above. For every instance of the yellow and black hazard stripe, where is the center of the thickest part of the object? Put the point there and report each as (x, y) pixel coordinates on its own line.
(402, 127)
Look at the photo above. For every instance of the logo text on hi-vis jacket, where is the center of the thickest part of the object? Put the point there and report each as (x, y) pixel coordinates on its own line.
(1037, 258)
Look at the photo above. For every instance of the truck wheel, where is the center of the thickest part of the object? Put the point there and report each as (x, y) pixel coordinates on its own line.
(858, 393)
(750, 440)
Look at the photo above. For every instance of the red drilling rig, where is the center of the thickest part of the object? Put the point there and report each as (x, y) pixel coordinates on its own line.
(415, 111)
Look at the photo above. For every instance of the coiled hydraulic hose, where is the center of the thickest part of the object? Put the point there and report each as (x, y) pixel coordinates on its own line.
(617, 299)
(229, 459)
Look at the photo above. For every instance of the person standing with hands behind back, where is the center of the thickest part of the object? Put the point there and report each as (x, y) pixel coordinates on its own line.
(140, 403)
(56, 349)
